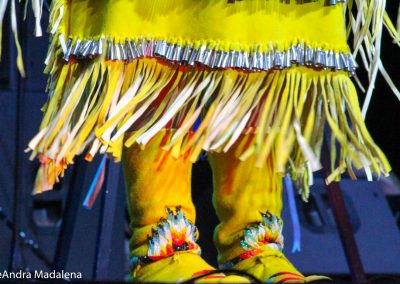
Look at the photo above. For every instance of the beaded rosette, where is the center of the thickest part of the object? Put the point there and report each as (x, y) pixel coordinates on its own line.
(172, 234)
(268, 232)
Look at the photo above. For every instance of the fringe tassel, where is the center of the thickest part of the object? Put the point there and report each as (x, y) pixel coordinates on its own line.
(366, 25)
(57, 7)
(95, 104)
(3, 6)
(37, 6)
(398, 21)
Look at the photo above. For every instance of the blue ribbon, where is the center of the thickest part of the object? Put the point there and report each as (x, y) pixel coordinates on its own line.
(93, 184)
(293, 214)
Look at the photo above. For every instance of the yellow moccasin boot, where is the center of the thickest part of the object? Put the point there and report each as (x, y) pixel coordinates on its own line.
(162, 215)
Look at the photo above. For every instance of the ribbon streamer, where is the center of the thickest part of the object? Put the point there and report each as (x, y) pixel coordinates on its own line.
(296, 247)
(95, 186)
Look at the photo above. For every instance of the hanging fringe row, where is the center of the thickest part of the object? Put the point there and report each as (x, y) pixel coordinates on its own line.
(103, 105)
(366, 26)
(177, 97)
(37, 6)
(97, 103)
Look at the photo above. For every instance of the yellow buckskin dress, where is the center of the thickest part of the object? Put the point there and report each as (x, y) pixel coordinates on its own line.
(252, 83)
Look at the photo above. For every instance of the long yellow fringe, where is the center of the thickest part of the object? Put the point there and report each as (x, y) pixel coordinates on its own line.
(284, 111)
(366, 26)
(37, 12)
(93, 103)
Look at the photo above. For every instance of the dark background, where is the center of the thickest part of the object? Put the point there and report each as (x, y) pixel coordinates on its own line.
(94, 242)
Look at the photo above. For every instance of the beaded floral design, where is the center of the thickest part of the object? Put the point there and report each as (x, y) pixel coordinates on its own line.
(268, 232)
(172, 234)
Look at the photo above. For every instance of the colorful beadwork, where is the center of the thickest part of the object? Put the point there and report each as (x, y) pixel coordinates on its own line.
(265, 233)
(173, 234)
(285, 276)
